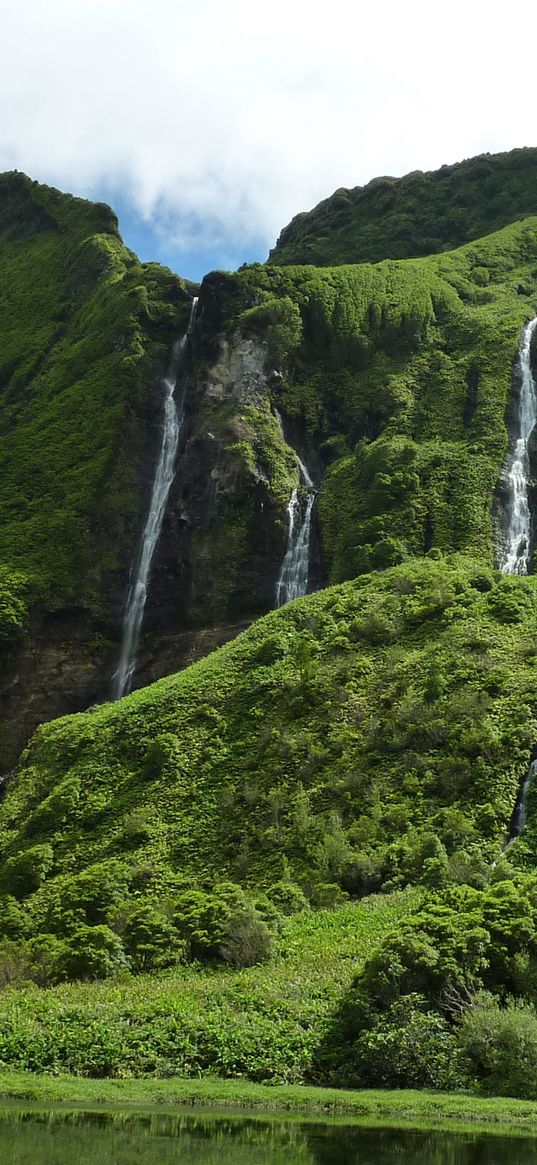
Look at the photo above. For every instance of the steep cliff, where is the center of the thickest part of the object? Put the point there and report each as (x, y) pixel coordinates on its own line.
(394, 382)
(85, 331)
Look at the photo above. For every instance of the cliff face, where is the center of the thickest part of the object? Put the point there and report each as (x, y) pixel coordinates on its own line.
(85, 331)
(392, 380)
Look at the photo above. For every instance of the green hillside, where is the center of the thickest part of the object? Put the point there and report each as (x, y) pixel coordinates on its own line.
(289, 860)
(369, 736)
(400, 374)
(419, 214)
(372, 736)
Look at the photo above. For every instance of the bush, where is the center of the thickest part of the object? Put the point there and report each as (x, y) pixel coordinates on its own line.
(500, 1044)
(328, 894)
(288, 897)
(223, 924)
(86, 898)
(25, 872)
(149, 939)
(93, 952)
(247, 938)
(411, 1047)
(510, 602)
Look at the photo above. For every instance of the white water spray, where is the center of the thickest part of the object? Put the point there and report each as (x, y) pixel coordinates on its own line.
(516, 555)
(294, 571)
(164, 475)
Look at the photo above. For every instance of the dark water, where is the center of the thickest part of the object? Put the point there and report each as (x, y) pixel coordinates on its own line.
(69, 1138)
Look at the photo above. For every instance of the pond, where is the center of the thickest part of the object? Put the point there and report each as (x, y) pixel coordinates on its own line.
(60, 1137)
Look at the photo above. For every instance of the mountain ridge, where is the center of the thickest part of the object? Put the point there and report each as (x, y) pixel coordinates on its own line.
(421, 213)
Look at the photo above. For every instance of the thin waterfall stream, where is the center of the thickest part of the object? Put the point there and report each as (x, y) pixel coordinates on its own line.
(164, 475)
(516, 554)
(294, 571)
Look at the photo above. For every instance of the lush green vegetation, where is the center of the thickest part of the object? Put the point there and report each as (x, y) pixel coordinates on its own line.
(287, 863)
(396, 218)
(332, 742)
(85, 329)
(398, 376)
(261, 1023)
(85, 334)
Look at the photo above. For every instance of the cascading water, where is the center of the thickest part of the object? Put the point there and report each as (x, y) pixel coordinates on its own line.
(516, 555)
(164, 475)
(294, 571)
(519, 815)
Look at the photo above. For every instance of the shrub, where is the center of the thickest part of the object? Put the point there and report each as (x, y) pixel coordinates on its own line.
(247, 939)
(223, 924)
(149, 939)
(328, 894)
(288, 897)
(93, 952)
(410, 1047)
(510, 602)
(25, 872)
(500, 1044)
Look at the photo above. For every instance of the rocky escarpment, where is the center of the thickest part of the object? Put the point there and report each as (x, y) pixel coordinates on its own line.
(224, 533)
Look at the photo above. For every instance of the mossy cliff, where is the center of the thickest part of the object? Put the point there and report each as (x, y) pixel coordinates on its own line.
(397, 379)
(394, 383)
(85, 335)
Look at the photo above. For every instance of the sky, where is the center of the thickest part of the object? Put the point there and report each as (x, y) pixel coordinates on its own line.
(208, 126)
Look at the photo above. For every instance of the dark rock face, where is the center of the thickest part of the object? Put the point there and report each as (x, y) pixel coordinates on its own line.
(223, 536)
(62, 666)
(216, 562)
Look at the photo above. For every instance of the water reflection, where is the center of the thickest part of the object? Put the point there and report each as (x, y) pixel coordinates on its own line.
(74, 1138)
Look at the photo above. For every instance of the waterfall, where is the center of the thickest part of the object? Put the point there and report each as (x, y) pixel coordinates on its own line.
(164, 475)
(516, 554)
(518, 820)
(294, 571)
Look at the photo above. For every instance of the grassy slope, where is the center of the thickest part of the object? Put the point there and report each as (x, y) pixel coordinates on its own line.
(336, 737)
(84, 331)
(263, 1023)
(414, 215)
(400, 374)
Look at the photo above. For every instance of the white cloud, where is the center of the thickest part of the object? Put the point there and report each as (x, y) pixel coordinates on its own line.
(226, 117)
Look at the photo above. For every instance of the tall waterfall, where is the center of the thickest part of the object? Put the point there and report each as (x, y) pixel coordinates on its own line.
(164, 475)
(516, 555)
(294, 571)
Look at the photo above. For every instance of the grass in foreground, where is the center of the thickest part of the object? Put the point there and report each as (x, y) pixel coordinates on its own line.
(406, 1107)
